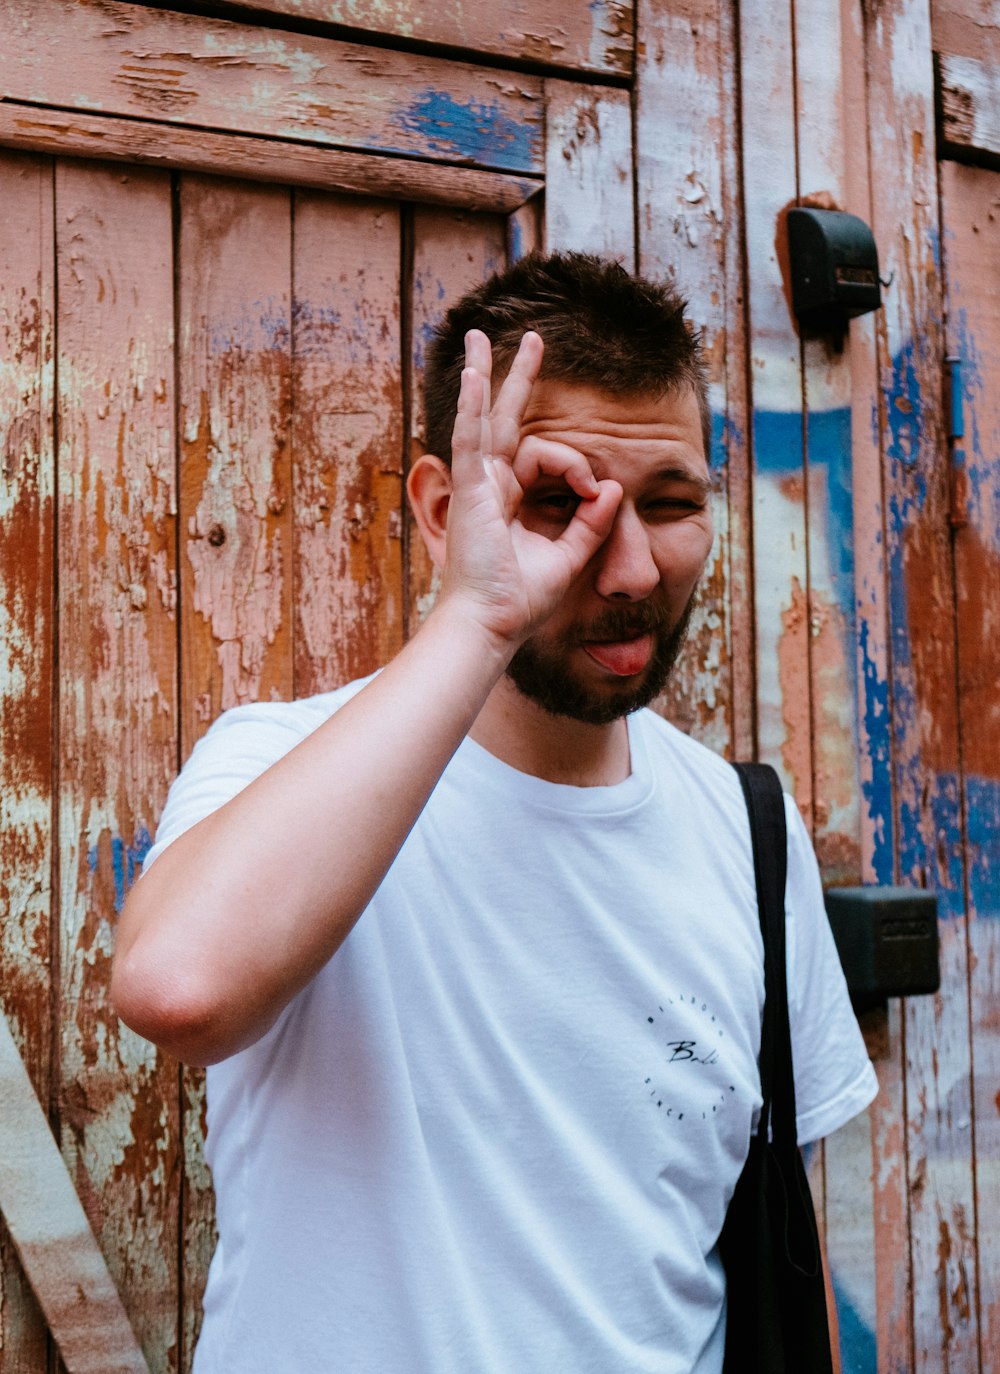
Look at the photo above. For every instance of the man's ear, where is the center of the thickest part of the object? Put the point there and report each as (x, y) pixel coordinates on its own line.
(429, 489)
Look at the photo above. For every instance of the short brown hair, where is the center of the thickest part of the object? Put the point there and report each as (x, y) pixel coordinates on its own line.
(602, 328)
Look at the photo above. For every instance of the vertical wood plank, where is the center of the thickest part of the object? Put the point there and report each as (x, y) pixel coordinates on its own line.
(234, 370)
(117, 712)
(524, 229)
(347, 439)
(26, 644)
(925, 734)
(779, 519)
(971, 207)
(687, 199)
(453, 251)
(588, 171)
(235, 514)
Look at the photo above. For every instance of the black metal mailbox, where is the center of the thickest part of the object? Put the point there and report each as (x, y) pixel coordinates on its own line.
(887, 939)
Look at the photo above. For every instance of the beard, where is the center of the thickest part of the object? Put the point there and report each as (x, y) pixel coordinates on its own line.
(541, 668)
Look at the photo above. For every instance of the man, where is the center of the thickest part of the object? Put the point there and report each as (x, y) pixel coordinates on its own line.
(472, 946)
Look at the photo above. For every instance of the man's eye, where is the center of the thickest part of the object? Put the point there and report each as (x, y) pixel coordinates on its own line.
(556, 502)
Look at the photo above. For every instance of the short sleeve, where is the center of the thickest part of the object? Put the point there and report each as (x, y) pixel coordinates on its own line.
(834, 1079)
(241, 745)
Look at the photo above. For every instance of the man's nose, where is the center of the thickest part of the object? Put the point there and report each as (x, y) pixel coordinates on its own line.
(626, 569)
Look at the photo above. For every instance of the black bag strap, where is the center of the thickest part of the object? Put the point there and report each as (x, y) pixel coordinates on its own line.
(766, 809)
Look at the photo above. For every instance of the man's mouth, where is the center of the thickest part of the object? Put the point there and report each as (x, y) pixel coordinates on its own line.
(623, 657)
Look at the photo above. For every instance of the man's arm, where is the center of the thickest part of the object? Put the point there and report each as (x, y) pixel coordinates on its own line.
(241, 911)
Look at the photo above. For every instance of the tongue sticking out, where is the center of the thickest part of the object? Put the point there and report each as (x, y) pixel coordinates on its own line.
(623, 657)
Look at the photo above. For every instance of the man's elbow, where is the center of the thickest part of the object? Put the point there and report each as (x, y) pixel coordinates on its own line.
(173, 1012)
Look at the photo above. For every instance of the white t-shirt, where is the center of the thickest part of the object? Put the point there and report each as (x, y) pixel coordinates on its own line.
(498, 1132)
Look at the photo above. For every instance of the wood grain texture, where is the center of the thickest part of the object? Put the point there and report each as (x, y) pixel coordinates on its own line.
(561, 33)
(235, 402)
(27, 515)
(969, 94)
(117, 710)
(588, 171)
(781, 574)
(967, 28)
(686, 197)
(348, 440)
(57, 1247)
(525, 228)
(126, 60)
(452, 253)
(75, 134)
(923, 694)
(971, 215)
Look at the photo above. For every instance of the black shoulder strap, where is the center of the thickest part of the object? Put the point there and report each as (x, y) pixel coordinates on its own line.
(766, 808)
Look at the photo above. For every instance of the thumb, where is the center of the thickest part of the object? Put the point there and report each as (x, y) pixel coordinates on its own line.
(591, 524)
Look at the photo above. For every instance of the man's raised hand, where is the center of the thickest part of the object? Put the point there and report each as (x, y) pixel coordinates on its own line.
(509, 576)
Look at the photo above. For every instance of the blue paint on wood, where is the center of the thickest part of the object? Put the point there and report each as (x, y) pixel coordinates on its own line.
(263, 326)
(877, 790)
(858, 1346)
(477, 133)
(126, 861)
(777, 442)
(982, 804)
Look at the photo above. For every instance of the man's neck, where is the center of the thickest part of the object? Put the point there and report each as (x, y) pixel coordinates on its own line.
(527, 737)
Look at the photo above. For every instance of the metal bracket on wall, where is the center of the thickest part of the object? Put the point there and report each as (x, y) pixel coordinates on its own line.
(53, 1239)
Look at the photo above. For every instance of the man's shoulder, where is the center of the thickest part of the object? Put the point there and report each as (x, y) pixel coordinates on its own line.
(668, 744)
(298, 717)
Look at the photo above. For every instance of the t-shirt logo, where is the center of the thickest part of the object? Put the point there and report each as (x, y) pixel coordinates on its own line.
(689, 1079)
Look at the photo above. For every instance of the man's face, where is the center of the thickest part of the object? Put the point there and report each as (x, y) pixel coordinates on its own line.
(610, 646)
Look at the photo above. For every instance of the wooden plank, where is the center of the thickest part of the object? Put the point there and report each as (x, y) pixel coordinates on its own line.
(452, 253)
(105, 56)
(596, 37)
(525, 229)
(969, 94)
(348, 439)
(687, 197)
(74, 134)
(779, 519)
(588, 171)
(234, 371)
(53, 1238)
(26, 635)
(117, 716)
(971, 211)
(968, 28)
(235, 405)
(924, 715)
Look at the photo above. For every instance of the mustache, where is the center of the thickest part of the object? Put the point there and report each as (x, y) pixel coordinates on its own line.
(626, 622)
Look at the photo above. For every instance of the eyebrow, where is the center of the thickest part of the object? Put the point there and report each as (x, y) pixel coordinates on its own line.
(673, 473)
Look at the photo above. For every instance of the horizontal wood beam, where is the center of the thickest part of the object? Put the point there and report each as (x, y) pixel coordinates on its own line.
(969, 106)
(111, 58)
(72, 134)
(595, 38)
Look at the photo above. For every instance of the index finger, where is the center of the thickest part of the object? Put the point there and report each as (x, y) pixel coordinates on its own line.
(512, 402)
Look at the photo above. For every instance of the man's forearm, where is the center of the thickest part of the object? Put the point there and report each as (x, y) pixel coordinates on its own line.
(242, 910)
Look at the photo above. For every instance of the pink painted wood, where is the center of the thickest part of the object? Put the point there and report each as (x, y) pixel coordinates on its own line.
(27, 308)
(347, 439)
(686, 194)
(106, 56)
(971, 214)
(118, 1115)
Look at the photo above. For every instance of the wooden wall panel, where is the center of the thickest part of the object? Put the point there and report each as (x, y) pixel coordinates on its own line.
(781, 579)
(596, 37)
(925, 733)
(452, 252)
(106, 56)
(27, 309)
(235, 400)
(347, 439)
(688, 203)
(117, 708)
(971, 216)
(589, 202)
